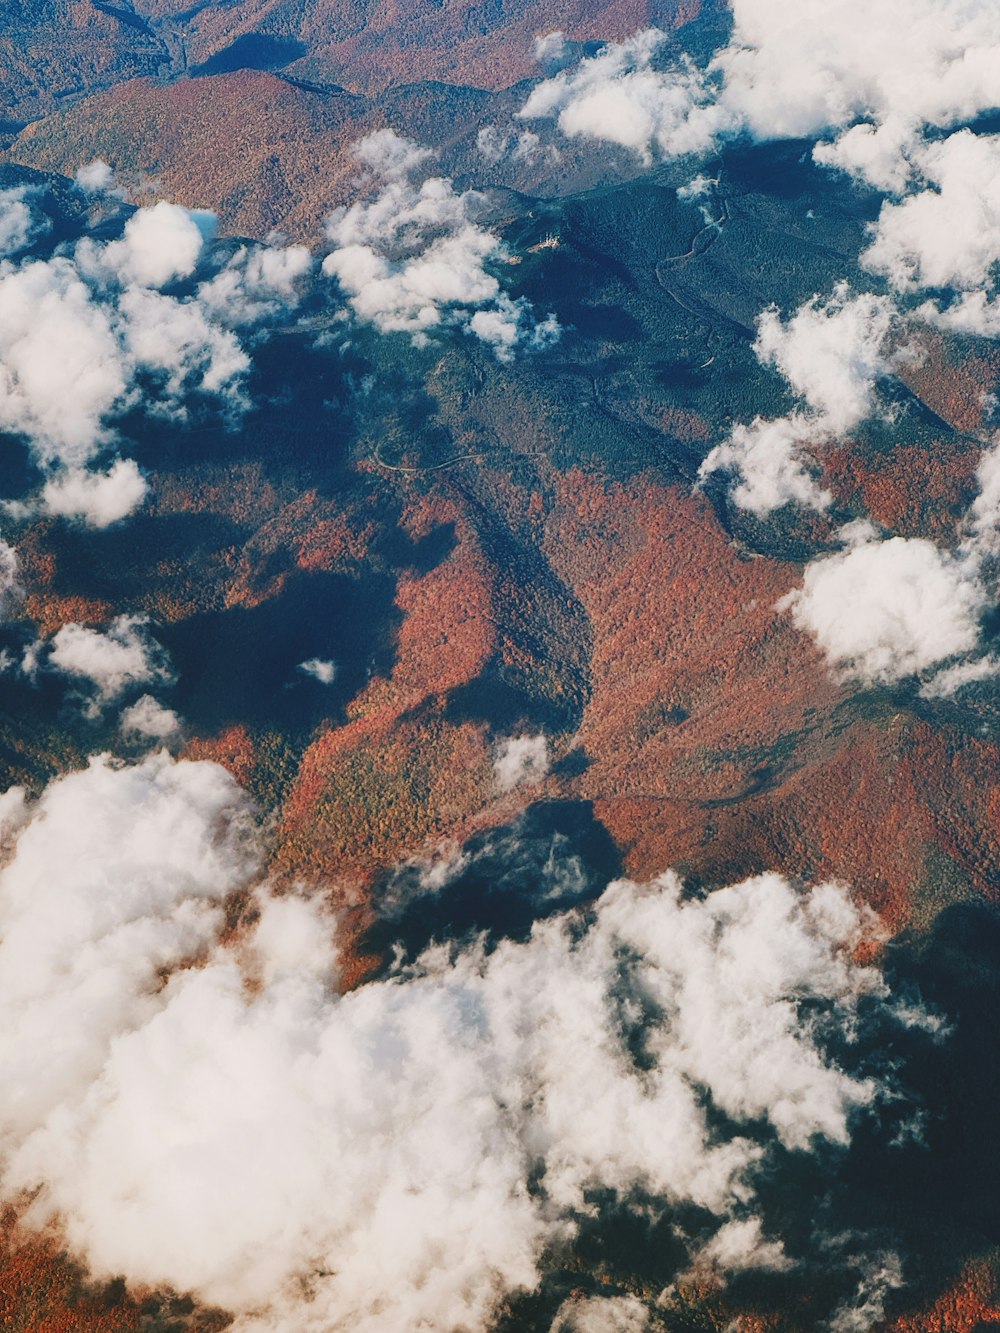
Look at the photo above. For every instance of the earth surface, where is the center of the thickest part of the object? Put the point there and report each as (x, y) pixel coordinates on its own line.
(473, 625)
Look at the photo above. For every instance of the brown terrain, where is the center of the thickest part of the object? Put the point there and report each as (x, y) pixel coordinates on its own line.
(710, 735)
(369, 45)
(705, 731)
(98, 45)
(271, 149)
(55, 52)
(200, 141)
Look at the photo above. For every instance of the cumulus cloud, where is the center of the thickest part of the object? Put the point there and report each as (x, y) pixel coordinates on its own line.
(497, 145)
(618, 96)
(875, 154)
(211, 1114)
(740, 1246)
(774, 464)
(601, 1314)
(108, 662)
(873, 74)
(11, 590)
(878, 83)
(885, 610)
(832, 352)
(20, 224)
(178, 341)
(87, 334)
(882, 611)
(550, 47)
(883, 1274)
(148, 717)
(492, 143)
(61, 365)
(983, 535)
(160, 244)
(319, 668)
(95, 177)
(947, 682)
(521, 759)
(68, 359)
(96, 498)
(116, 874)
(947, 235)
(415, 259)
(257, 284)
(975, 312)
(894, 64)
(400, 210)
(391, 156)
(502, 879)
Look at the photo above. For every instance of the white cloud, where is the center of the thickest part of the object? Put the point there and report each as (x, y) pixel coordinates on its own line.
(257, 283)
(497, 145)
(509, 325)
(493, 144)
(967, 312)
(984, 515)
(873, 153)
(20, 224)
(885, 610)
(897, 63)
(527, 147)
(947, 235)
(97, 498)
(882, 611)
(410, 296)
(211, 1115)
(178, 340)
(883, 1274)
(80, 332)
(414, 259)
(68, 362)
(877, 76)
(832, 353)
(774, 462)
(320, 668)
(601, 1314)
(109, 661)
(391, 155)
(116, 874)
(698, 187)
(617, 96)
(550, 46)
(879, 72)
(947, 682)
(740, 1245)
(148, 717)
(521, 759)
(424, 874)
(160, 244)
(405, 216)
(11, 590)
(61, 366)
(95, 177)
(292, 938)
